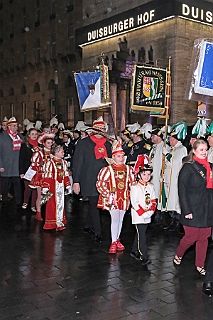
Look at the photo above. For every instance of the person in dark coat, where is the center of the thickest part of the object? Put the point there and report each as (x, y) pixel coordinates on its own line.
(27, 148)
(88, 160)
(127, 142)
(141, 145)
(195, 190)
(10, 145)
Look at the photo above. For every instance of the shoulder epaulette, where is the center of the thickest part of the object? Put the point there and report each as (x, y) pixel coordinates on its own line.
(130, 144)
(147, 146)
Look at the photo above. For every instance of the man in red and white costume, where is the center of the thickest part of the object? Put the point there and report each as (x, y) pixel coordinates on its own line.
(113, 184)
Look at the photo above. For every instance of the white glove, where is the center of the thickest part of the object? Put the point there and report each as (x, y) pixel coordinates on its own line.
(44, 190)
(68, 190)
(165, 151)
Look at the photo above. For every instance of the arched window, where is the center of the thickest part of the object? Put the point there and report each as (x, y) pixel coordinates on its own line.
(51, 85)
(36, 87)
(23, 89)
(69, 82)
(11, 92)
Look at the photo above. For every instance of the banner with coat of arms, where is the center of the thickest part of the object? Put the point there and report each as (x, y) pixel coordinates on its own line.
(149, 86)
(93, 89)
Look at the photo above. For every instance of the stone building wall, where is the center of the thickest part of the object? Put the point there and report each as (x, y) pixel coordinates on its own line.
(15, 74)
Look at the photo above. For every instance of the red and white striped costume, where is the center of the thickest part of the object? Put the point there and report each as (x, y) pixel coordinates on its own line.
(55, 179)
(113, 184)
(39, 157)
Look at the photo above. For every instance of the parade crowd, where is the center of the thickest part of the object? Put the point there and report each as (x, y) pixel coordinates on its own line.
(161, 175)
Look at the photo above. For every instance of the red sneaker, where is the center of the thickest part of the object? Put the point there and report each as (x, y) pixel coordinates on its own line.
(113, 247)
(120, 246)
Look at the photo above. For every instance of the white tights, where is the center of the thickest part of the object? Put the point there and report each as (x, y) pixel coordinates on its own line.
(116, 223)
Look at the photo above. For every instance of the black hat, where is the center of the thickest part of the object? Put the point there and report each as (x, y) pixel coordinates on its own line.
(157, 132)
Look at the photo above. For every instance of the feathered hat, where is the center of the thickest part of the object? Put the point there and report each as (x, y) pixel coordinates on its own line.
(145, 129)
(142, 163)
(79, 125)
(38, 125)
(30, 125)
(116, 147)
(199, 129)
(25, 122)
(46, 135)
(179, 131)
(126, 132)
(134, 128)
(61, 126)
(209, 130)
(54, 122)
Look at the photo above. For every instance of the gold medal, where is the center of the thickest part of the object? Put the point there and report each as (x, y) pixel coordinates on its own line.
(120, 185)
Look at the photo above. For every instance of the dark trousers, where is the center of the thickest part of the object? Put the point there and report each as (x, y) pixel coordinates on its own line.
(93, 215)
(140, 240)
(29, 192)
(6, 183)
(209, 269)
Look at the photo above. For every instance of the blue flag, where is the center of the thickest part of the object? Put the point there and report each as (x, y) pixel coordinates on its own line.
(88, 86)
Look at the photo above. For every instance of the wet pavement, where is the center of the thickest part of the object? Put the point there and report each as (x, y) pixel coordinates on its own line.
(65, 275)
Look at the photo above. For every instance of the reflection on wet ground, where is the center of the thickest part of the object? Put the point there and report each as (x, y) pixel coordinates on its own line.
(65, 275)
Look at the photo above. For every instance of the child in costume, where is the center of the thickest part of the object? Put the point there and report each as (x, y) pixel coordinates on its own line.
(113, 184)
(143, 202)
(39, 157)
(55, 181)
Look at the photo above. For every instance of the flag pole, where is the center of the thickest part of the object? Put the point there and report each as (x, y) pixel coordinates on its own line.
(167, 106)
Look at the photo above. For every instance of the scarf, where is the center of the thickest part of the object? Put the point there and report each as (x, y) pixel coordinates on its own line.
(99, 149)
(34, 143)
(16, 140)
(206, 165)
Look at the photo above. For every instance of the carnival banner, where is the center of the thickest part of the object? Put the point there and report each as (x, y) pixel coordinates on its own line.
(149, 88)
(93, 89)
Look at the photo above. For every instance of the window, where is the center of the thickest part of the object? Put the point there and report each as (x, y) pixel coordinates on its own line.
(12, 55)
(1, 28)
(38, 13)
(24, 54)
(24, 110)
(12, 109)
(52, 107)
(24, 16)
(1, 62)
(12, 25)
(2, 111)
(70, 5)
(37, 109)
(52, 10)
(71, 38)
(53, 46)
(70, 112)
(37, 51)
(11, 91)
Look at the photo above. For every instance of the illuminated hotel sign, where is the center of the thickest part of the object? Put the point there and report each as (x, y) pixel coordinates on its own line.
(145, 15)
